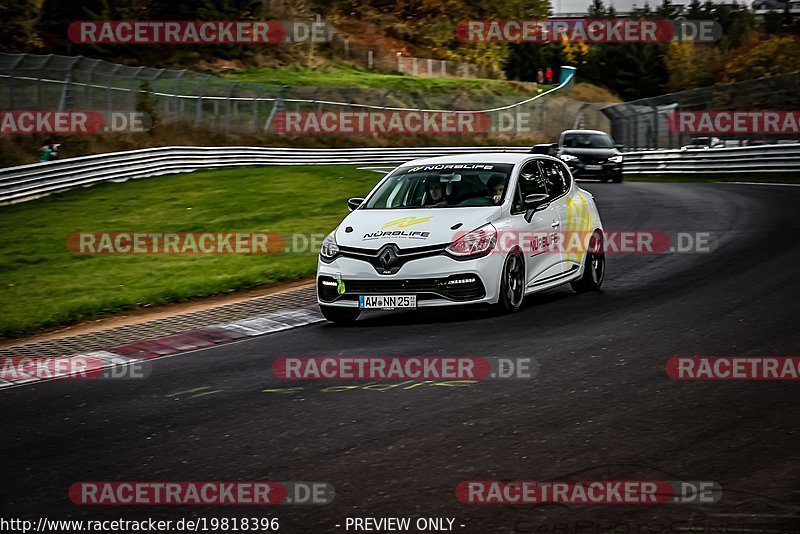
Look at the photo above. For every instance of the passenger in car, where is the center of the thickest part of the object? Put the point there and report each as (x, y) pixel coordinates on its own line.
(436, 194)
(496, 185)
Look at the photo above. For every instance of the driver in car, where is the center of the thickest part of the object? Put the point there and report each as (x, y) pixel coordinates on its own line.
(496, 185)
(436, 193)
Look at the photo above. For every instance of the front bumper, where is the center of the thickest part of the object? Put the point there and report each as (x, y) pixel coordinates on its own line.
(436, 281)
(606, 170)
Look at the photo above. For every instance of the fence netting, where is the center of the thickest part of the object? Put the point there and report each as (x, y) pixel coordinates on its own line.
(53, 82)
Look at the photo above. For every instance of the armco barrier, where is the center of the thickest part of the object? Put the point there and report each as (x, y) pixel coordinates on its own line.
(25, 182)
(783, 158)
(18, 184)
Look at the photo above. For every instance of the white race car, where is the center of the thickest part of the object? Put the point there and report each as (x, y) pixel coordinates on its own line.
(454, 230)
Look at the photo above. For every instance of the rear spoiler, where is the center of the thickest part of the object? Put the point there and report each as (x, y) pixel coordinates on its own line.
(544, 148)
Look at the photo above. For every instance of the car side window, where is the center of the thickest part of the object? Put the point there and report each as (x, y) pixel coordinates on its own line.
(555, 178)
(531, 181)
(561, 168)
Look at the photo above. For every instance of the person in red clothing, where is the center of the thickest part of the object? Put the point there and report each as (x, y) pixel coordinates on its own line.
(549, 75)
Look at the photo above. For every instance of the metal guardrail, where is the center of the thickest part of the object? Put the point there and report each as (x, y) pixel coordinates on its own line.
(26, 182)
(739, 160)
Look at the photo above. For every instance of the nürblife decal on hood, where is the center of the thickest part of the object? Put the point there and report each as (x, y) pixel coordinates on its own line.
(396, 233)
(402, 222)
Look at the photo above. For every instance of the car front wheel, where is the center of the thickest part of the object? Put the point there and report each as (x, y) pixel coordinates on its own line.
(512, 285)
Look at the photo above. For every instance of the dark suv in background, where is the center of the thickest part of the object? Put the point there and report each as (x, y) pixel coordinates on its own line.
(588, 153)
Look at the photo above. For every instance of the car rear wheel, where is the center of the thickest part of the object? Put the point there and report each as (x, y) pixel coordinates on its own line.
(594, 270)
(341, 316)
(512, 285)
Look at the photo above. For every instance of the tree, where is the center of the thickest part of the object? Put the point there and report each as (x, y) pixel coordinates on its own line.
(690, 65)
(19, 20)
(695, 10)
(764, 56)
(597, 10)
(576, 53)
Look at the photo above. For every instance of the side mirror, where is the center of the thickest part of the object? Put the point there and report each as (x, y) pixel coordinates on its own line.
(621, 148)
(354, 203)
(534, 203)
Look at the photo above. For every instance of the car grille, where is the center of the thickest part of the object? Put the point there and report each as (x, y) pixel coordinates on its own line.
(403, 255)
(424, 288)
(592, 160)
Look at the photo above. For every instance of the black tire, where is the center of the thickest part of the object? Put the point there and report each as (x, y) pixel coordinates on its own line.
(594, 270)
(340, 316)
(618, 179)
(512, 285)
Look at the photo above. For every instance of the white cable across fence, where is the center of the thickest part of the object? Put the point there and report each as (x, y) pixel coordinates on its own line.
(568, 77)
(26, 182)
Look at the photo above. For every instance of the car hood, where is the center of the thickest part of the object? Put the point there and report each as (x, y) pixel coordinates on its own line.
(371, 229)
(593, 152)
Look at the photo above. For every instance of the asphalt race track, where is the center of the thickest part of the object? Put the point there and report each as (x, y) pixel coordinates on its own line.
(601, 405)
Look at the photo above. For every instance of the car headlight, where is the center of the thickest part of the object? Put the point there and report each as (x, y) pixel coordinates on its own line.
(568, 157)
(478, 242)
(615, 159)
(329, 248)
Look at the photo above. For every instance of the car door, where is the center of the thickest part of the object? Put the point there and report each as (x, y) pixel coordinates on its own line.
(573, 215)
(542, 260)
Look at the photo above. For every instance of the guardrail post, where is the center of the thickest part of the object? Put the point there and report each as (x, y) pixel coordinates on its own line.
(229, 106)
(278, 106)
(655, 127)
(199, 111)
(109, 91)
(175, 98)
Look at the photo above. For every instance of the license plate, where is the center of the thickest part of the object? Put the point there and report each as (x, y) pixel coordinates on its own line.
(386, 302)
(594, 167)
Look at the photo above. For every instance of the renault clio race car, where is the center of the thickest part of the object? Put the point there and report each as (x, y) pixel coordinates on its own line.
(454, 230)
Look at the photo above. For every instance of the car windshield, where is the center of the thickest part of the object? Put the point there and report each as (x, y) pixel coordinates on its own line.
(587, 140)
(455, 185)
(700, 141)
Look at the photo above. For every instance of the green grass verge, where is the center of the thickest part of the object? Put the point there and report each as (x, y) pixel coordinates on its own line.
(43, 284)
(343, 76)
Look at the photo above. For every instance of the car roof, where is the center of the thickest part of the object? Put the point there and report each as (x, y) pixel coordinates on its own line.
(584, 132)
(485, 157)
